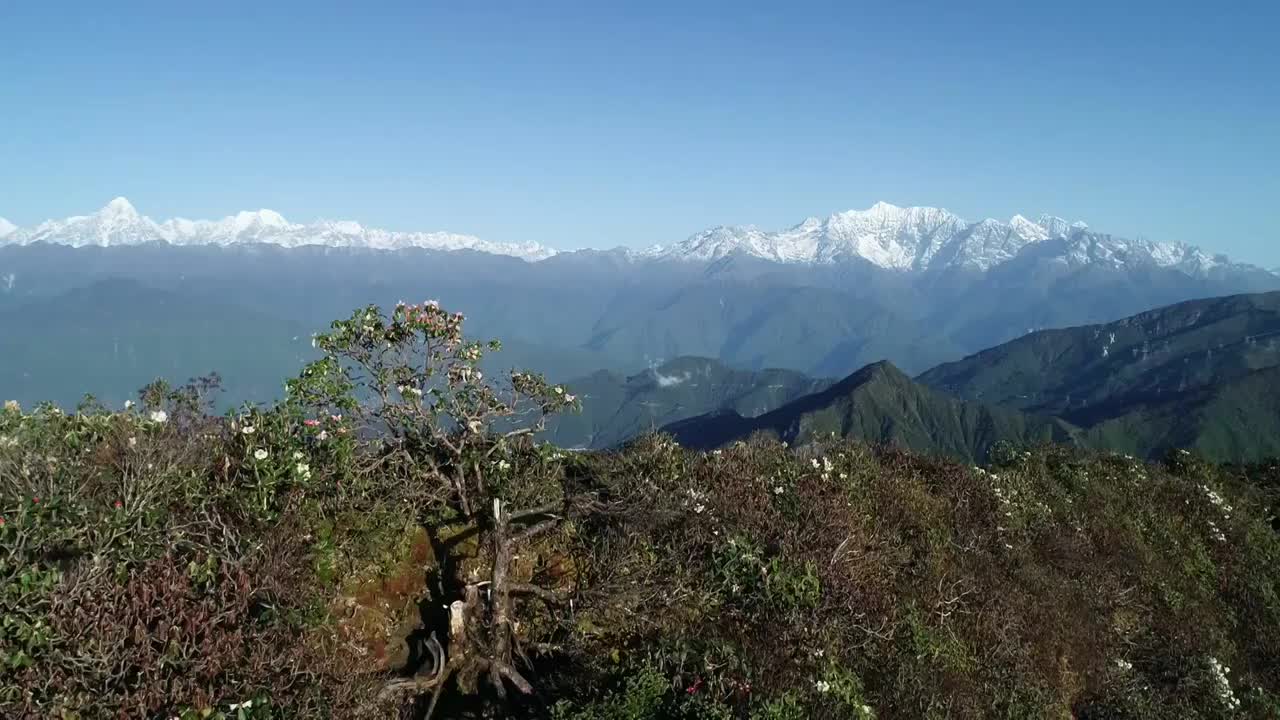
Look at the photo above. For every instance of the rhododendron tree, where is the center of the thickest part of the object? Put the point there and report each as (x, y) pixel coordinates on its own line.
(414, 381)
(412, 378)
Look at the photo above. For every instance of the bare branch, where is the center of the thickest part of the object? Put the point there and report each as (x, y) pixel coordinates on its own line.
(549, 596)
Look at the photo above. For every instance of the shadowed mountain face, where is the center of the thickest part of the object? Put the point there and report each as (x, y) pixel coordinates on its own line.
(880, 404)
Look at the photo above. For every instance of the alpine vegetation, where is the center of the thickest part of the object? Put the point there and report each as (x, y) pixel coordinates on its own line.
(393, 539)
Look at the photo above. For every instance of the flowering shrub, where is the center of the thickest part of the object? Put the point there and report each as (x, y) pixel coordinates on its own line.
(412, 379)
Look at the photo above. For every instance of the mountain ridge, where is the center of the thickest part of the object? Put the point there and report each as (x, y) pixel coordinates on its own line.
(881, 404)
(119, 223)
(917, 239)
(927, 239)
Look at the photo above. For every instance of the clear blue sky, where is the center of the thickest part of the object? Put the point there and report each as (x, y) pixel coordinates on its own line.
(607, 123)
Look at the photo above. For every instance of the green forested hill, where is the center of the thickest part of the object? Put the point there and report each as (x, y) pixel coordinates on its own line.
(1198, 374)
(1237, 420)
(881, 404)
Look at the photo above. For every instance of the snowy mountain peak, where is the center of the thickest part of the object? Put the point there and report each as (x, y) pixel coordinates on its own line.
(928, 239)
(261, 218)
(118, 223)
(119, 206)
(1028, 229)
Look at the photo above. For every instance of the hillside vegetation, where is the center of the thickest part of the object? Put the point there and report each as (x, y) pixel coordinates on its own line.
(1196, 374)
(381, 543)
(880, 404)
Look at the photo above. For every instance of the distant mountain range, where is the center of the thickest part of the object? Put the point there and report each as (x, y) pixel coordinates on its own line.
(912, 239)
(118, 223)
(917, 287)
(926, 239)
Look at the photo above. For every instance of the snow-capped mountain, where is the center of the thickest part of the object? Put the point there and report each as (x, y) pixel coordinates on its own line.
(120, 224)
(925, 238)
(908, 239)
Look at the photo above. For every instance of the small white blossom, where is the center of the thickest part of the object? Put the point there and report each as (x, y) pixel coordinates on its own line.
(822, 686)
(303, 470)
(699, 508)
(297, 455)
(248, 430)
(128, 404)
(159, 416)
(1219, 673)
(777, 490)
(260, 454)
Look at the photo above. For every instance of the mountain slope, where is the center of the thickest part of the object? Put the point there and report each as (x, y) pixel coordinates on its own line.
(1201, 375)
(616, 408)
(1088, 373)
(881, 404)
(1237, 420)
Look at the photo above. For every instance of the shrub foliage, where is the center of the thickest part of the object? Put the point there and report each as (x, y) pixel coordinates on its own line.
(392, 541)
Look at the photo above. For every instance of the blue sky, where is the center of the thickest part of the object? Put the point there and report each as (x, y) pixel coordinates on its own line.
(598, 124)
